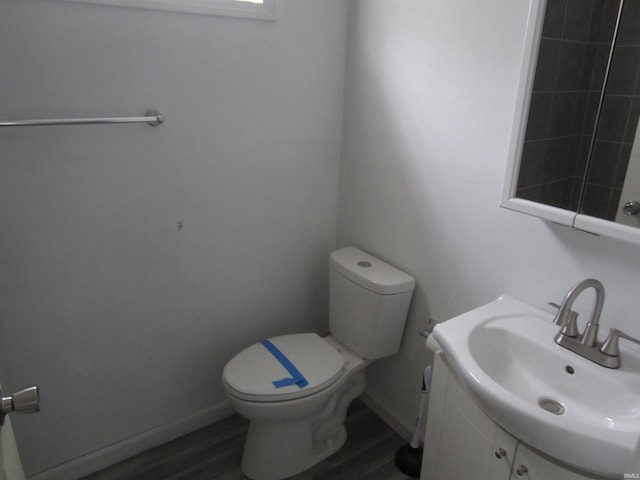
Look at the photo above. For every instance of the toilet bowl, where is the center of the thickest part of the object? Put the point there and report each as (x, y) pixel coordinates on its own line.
(295, 389)
(290, 432)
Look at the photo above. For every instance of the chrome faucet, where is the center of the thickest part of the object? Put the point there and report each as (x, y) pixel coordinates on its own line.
(607, 354)
(567, 317)
(610, 345)
(586, 344)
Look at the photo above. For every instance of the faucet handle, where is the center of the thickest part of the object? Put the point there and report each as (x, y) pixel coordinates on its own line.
(610, 345)
(567, 319)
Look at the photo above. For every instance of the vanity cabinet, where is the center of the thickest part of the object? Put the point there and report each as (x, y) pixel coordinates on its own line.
(462, 442)
(539, 468)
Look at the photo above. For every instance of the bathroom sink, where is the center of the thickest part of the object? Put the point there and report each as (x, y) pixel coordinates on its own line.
(560, 403)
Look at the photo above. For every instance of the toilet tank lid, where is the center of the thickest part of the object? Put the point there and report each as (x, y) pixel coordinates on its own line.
(370, 272)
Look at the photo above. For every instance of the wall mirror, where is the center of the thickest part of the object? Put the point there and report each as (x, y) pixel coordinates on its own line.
(575, 158)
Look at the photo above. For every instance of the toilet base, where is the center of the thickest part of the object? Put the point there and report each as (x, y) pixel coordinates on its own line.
(291, 454)
(277, 450)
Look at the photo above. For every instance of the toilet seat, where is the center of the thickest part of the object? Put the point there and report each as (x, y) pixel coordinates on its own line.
(251, 373)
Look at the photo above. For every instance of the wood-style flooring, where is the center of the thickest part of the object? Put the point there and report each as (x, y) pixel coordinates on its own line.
(214, 452)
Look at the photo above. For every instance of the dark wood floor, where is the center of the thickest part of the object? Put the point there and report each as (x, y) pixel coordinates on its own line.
(214, 452)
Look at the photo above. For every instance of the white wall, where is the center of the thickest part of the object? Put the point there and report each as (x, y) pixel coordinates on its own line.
(122, 319)
(430, 100)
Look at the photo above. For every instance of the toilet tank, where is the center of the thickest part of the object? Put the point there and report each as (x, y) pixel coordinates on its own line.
(368, 303)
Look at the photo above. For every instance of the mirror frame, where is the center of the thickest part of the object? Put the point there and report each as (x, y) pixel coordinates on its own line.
(568, 218)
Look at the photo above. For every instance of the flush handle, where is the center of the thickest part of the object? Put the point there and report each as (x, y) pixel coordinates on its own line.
(632, 207)
(24, 401)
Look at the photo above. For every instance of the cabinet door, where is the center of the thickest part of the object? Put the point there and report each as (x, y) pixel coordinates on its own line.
(529, 465)
(461, 440)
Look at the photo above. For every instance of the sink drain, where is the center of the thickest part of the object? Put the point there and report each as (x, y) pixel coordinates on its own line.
(551, 406)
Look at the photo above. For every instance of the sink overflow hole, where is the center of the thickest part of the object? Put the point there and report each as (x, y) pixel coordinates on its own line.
(570, 370)
(551, 406)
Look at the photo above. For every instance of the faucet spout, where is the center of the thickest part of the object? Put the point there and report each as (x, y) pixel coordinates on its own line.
(590, 335)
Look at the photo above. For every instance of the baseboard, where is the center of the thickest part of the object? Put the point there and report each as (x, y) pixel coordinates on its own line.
(114, 453)
(404, 430)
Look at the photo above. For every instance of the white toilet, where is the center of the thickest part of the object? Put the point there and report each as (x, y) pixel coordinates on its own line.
(295, 389)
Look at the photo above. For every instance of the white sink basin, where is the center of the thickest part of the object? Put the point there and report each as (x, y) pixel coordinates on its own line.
(564, 405)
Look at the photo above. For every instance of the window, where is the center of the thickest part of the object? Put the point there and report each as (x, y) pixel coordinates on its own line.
(258, 9)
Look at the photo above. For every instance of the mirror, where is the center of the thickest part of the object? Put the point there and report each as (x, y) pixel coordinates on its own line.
(576, 161)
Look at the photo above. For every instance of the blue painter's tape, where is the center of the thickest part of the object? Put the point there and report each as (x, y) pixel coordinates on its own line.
(296, 377)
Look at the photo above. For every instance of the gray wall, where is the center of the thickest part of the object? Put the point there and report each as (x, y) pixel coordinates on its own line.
(124, 320)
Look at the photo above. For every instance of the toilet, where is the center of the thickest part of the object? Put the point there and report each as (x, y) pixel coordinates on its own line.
(295, 389)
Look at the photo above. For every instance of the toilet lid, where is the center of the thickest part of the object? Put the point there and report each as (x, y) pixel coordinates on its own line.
(251, 373)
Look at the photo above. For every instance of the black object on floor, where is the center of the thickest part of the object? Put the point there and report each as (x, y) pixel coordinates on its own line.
(409, 460)
(409, 457)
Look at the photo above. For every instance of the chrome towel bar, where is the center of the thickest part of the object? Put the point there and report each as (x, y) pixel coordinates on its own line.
(152, 117)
